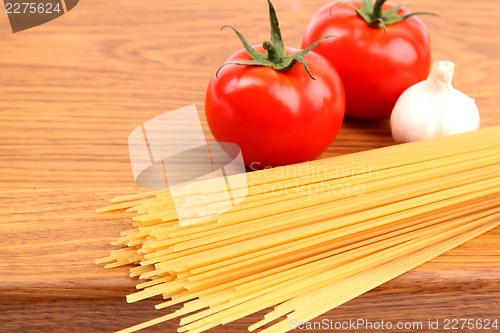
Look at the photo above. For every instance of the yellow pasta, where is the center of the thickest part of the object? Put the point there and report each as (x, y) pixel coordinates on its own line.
(308, 237)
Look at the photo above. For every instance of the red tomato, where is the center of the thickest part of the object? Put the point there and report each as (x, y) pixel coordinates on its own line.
(276, 118)
(375, 65)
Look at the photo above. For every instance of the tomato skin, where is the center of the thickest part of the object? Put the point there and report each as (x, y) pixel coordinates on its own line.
(276, 118)
(376, 66)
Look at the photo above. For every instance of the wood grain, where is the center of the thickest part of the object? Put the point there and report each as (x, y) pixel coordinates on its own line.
(73, 89)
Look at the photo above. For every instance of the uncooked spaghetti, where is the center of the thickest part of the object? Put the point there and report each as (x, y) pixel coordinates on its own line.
(311, 236)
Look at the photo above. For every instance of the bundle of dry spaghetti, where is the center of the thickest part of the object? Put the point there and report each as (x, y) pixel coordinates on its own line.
(311, 236)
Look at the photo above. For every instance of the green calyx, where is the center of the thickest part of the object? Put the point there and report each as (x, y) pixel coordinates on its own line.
(375, 17)
(275, 54)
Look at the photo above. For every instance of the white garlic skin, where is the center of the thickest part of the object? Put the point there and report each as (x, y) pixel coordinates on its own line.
(433, 108)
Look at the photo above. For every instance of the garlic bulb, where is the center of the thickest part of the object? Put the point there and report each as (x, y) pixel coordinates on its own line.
(433, 108)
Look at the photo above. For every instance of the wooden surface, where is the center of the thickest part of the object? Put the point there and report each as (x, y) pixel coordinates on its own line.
(73, 89)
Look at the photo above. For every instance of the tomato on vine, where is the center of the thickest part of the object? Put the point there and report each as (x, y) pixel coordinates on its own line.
(382, 50)
(278, 104)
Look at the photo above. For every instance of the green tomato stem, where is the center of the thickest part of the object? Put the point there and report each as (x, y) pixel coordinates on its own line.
(374, 15)
(377, 9)
(275, 55)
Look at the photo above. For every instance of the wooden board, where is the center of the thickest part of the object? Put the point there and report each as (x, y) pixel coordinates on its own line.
(73, 89)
